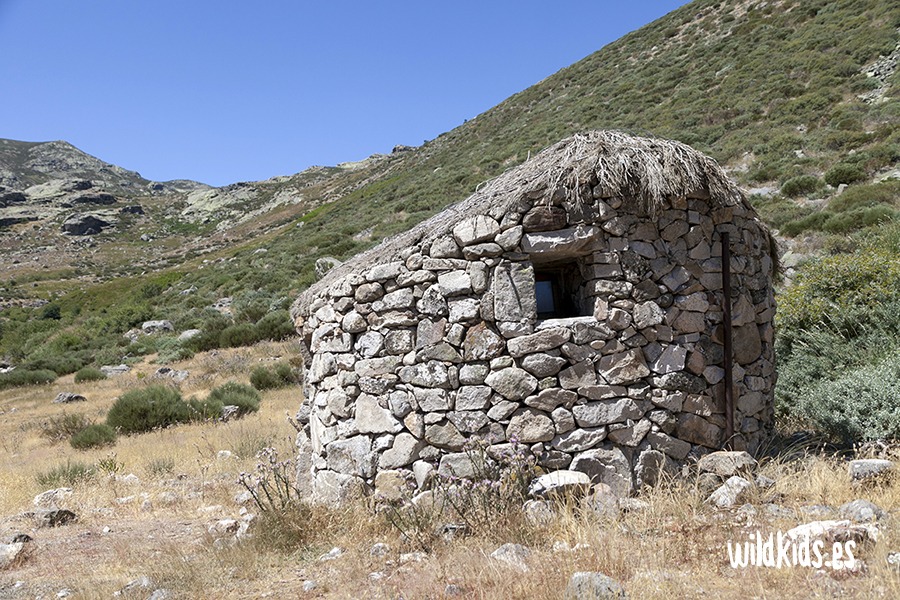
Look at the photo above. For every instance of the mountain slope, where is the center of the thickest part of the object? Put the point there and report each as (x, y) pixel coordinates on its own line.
(775, 90)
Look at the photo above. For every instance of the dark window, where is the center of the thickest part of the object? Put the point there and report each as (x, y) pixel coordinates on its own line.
(559, 291)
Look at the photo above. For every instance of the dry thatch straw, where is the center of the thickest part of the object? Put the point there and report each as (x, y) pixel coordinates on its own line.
(642, 170)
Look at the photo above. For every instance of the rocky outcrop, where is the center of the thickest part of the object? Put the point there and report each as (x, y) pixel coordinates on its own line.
(86, 224)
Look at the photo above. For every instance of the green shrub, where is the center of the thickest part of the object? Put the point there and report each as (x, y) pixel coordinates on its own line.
(94, 436)
(63, 427)
(89, 374)
(279, 375)
(844, 173)
(801, 185)
(20, 377)
(66, 475)
(61, 363)
(158, 467)
(860, 406)
(236, 394)
(276, 325)
(242, 334)
(149, 408)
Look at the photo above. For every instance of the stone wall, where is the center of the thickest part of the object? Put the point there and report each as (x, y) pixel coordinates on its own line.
(442, 344)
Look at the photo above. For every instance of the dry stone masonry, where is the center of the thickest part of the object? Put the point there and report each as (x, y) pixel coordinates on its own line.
(573, 305)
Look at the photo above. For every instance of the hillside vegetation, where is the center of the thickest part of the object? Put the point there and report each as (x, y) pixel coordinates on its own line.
(795, 97)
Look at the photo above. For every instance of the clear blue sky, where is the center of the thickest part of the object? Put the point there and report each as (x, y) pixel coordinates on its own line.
(223, 91)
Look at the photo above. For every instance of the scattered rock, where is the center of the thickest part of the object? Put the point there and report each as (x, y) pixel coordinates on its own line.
(513, 555)
(332, 554)
(86, 224)
(55, 517)
(560, 483)
(834, 531)
(170, 373)
(861, 511)
(727, 463)
(52, 498)
(593, 586)
(732, 492)
(111, 371)
(538, 512)
(157, 326)
(867, 468)
(67, 397)
(379, 549)
(10, 553)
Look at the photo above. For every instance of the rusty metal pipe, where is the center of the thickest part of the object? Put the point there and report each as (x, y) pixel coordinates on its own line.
(726, 324)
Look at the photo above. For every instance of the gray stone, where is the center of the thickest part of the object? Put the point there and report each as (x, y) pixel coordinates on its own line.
(861, 511)
(559, 483)
(369, 344)
(541, 341)
(732, 492)
(372, 418)
(352, 456)
(473, 397)
(384, 271)
(458, 464)
(563, 420)
(368, 292)
(631, 434)
(697, 430)
(444, 435)
(543, 365)
(512, 383)
(605, 412)
(157, 326)
(549, 399)
(677, 449)
(512, 555)
(468, 421)
(579, 440)
(335, 489)
(623, 368)
(429, 332)
(579, 375)
(649, 468)
(865, 468)
(430, 400)
(473, 374)
(726, 463)
(529, 426)
(374, 367)
(481, 343)
(463, 310)
(445, 247)
(585, 585)
(565, 243)
(606, 466)
(432, 374)
(513, 291)
(671, 360)
(747, 344)
(510, 238)
(454, 283)
(67, 397)
(502, 410)
(433, 303)
(404, 451)
(475, 229)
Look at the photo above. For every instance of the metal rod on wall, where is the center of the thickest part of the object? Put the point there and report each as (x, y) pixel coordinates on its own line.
(726, 323)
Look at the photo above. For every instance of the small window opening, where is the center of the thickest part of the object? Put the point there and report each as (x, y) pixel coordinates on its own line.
(559, 292)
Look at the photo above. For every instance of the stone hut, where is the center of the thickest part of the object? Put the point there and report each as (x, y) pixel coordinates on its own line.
(575, 305)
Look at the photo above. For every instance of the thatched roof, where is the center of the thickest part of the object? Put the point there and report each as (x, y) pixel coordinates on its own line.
(638, 169)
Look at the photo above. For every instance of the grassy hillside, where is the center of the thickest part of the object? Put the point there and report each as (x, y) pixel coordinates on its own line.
(780, 92)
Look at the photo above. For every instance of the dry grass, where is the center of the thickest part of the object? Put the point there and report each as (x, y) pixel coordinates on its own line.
(675, 548)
